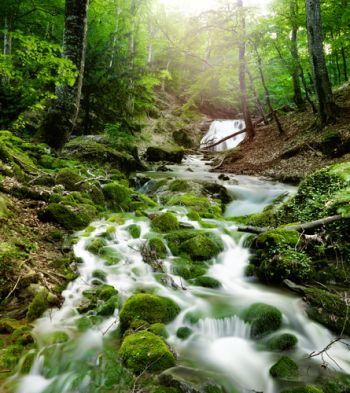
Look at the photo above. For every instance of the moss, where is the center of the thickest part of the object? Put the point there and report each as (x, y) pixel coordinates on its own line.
(38, 305)
(159, 329)
(278, 237)
(194, 216)
(55, 338)
(179, 186)
(4, 203)
(105, 292)
(282, 342)
(146, 351)
(166, 222)
(202, 247)
(156, 154)
(135, 231)
(71, 218)
(264, 319)
(184, 332)
(285, 369)
(95, 244)
(110, 255)
(202, 205)
(117, 196)
(151, 308)
(206, 282)
(70, 179)
(304, 389)
(100, 275)
(107, 308)
(10, 356)
(157, 247)
(187, 269)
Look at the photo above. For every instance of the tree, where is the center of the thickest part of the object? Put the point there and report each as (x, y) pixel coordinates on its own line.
(242, 73)
(62, 116)
(323, 89)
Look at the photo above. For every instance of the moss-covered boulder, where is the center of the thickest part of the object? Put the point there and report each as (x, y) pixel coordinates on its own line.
(282, 342)
(70, 179)
(285, 369)
(264, 319)
(156, 154)
(206, 282)
(117, 196)
(135, 231)
(158, 329)
(277, 238)
(110, 255)
(146, 351)
(304, 389)
(107, 308)
(69, 217)
(147, 307)
(205, 207)
(183, 332)
(186, 269)
(165, 222)
(95, 244)
(38, 305)
(157, 247)
(179, 185)
(202, 247)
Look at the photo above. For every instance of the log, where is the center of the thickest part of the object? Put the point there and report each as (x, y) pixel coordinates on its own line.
(225, 139)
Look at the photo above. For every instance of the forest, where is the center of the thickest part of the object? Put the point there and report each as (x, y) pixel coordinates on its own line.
(174, 196)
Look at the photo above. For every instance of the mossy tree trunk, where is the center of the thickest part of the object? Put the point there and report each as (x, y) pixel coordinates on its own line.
(62, 116)
(323, 89)
(242, 73)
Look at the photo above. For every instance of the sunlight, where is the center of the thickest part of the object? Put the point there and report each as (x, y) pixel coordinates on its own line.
(196, 6)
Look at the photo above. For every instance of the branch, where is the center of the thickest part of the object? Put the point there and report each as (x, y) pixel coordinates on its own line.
(225, 139)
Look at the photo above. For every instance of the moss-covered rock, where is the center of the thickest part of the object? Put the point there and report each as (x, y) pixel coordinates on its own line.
(158, 329)
(207, 282)
(179, 185)
(70, 179)
(186, 269)
(156, 154)
(151, 308)
(100, 275)
(304, 389)
(38, 305)
(105, 292)
(107, 308)
(157, 246)
(117, 196)
(202, 247)
(95, 244)
(278, 238)
(146, 351)
(184, 332)
(183, 138)
(165, 222)
(110, 255)
(282, 342)
(71, 218)
(135, 231)
(205, 207)
(264, 319)
(285, 369)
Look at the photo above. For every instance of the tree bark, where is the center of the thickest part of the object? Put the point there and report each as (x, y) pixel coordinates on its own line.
(323, 89)
(345, 65)
(298, 97)
(62, 116)
(257, 99)
(242, 73)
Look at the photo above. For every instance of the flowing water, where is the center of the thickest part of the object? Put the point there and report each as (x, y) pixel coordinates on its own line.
(220, 343)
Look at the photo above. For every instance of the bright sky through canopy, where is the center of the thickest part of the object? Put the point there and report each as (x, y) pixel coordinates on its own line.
(195, 6)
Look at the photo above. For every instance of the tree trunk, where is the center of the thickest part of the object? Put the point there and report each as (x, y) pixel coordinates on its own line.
(345, 65)
(7, 38)
(307, 90)
(257, 99)
(326, 103)
(242, 73)
(298, 97)
(62, 116)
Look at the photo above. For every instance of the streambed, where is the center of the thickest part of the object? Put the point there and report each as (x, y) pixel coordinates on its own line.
(220, 343)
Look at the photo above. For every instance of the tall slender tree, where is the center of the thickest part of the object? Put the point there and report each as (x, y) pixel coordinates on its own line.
(323, 89)
(242, 71)
(62, 116)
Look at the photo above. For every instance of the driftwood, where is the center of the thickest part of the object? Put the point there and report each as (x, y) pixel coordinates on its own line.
(297, 227)
(224, 139)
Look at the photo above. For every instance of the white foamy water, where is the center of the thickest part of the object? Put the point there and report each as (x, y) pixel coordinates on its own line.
(220, 129)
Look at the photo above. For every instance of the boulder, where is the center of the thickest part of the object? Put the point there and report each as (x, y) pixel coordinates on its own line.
(157, 154)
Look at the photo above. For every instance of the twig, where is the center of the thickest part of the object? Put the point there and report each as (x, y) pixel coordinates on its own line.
(14, 288)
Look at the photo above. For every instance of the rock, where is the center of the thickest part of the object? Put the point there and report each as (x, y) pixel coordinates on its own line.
(206, 282)
(163, 168)
(159, 329)
(156, 154)
(282, 342)
(117, 196)
(202, 205)
(187, 269)
(166, 222)
(189, 380)
(150, 308)
(135, 231)
(38, 305)
(184, 332)
(70, 179)
(294, 287)
(223, 177)
(157, 247)
(202, 247)
(146, 351)
(95, 244)
(183, 138)
(285, 369)
(264, 319)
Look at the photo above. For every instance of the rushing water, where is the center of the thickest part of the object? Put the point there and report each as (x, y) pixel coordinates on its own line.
(220, 341)
(220, 129)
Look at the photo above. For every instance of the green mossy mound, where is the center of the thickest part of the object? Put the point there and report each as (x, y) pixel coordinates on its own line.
(282, 342)
(206, 282)
(184, 332)
(135, 231)
(157, 154)
(117, 196)
(146, 351)
(38, 305)
(110, 255)
(70, 179)
(186, 269)
(159, 329)
(164, 223)
(285, 369)
(147, 307)
(201, 205)
(264, 319)
(70, 218)
(95, 245)
(157, 247)
(179, 185)
(304, 389)
(106, 308)
(278, 238)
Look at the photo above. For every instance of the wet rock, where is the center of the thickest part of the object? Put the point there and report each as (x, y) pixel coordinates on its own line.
(264, 319)
(285, 369)
(166, 222)
(282, 342)
(223, 177)
(156, 154)
(163, 168)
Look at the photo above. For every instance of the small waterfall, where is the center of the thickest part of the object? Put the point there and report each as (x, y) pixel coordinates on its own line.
(220, 129)
(226, 327)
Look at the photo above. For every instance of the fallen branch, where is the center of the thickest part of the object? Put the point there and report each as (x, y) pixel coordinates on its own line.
(224, 139)
(298, 227)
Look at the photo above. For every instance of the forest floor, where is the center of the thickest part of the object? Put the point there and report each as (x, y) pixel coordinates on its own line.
(299, 151)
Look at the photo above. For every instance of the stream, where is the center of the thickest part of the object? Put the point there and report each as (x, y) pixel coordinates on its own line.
(221, 344)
